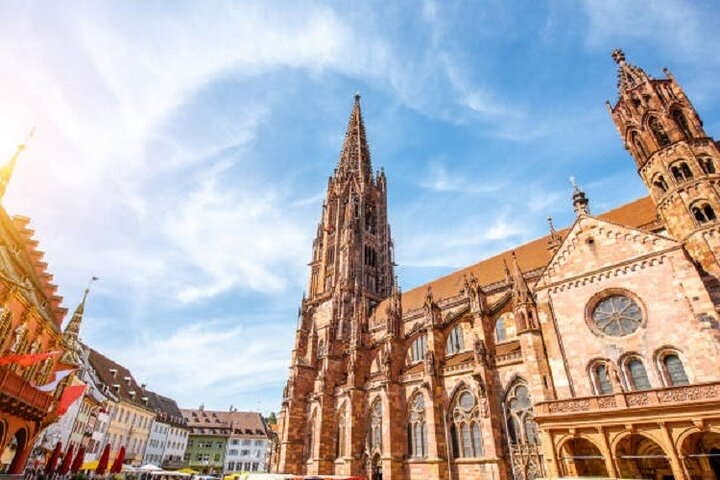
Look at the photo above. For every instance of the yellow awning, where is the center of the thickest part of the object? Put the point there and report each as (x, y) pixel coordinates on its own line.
(90, 465)
(188, 470)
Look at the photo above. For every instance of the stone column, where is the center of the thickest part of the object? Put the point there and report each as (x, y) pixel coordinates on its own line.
(677, 468)
(607, 454)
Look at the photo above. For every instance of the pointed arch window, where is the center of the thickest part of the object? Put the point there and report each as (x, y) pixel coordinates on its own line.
(418, 348)
(682, 123)
(640, 149)
(703, 212)
(309, 431)
(673, 370)
(661, 137)
(375, 429)
(417, 428)
(465, 428)
(500, 330)
(521, 424)
(638, 374)
(707, 164)
(455, 342)
(340, 435)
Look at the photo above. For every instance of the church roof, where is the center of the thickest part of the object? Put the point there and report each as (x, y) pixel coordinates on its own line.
(531, 256)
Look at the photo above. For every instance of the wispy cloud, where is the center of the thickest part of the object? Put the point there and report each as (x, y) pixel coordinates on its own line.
(439, 179)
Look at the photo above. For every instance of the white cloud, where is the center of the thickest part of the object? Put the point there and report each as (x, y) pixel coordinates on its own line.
(440, 180)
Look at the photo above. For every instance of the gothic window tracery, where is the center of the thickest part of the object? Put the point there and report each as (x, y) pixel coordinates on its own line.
(637, 374)
(370, 219)
(501, 328)
(617, 315)
(455, 341)
(375, 430)
(640, 149)
(521, 425)
(682, 123)
(465, 431)
(418, 349)
(703, 212)
(417, 428)
(681, 171)
(661, 137)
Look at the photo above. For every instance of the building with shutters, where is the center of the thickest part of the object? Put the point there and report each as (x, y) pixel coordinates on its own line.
(592, 351)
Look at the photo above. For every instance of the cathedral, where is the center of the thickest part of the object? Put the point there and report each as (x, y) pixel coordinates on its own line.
(592, 351)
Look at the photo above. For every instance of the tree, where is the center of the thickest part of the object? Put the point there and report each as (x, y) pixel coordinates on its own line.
(272, 419)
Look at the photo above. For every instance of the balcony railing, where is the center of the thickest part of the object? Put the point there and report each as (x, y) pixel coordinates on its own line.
(14, 386)
(687, 394)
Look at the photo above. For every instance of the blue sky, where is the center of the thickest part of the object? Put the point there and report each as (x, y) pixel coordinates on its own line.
(182, 151)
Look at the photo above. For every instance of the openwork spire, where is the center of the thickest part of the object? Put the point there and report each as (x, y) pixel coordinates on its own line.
(355, 154)
(7, 170)
(71, 334)
(629, 76)
(520, 289)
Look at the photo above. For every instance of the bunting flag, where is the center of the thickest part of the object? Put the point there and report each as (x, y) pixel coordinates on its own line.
(69, 395)
(26, 360)
(57, 378)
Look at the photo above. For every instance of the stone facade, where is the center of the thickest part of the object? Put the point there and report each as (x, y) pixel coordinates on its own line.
(590, 352)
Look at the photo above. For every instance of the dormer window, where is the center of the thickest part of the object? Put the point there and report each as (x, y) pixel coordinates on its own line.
(113, 372)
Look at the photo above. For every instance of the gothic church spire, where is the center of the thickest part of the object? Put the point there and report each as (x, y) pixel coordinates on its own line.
(355, 154)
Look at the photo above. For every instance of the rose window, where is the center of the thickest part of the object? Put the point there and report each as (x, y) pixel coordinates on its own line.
(617, 315)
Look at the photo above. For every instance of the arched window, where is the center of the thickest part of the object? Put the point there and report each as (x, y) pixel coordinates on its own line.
(500, 331)
(602, 379)
(681, 171)
(521, 424)
(309, 430)
(707, 164)
(455, 341)
(418, 349)
(417, 428)
(681, 123)
(640, 149)
(659, 183)
(340, 435)
(376, 426)
(638, 375)
(465, 428)
(674, 371)
(658, 131)
(703, 212)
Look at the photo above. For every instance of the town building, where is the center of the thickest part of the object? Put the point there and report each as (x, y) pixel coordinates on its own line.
(592, 351)
(168, 433)
(31, 316)
(207, 441)
(248, 444)
(226, 441)
(132, 416)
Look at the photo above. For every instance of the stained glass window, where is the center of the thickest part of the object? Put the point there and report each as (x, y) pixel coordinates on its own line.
(603, 382)
(675, 370)
(638, 374)
(617, 315)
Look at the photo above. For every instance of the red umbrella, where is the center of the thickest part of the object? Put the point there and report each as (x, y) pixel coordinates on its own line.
(67, 461)
(52, 460)
(79, 459)
(117, 464)
(104, 459)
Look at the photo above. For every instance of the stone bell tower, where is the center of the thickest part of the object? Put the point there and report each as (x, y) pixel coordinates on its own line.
(351, 272)
(677, 160)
